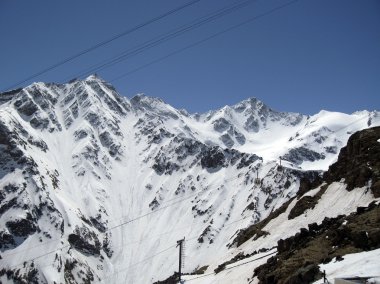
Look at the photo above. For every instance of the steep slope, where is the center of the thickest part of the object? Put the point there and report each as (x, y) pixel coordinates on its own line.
(98, 188)
(316, 229)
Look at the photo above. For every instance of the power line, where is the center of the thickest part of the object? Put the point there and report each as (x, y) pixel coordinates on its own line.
(102, 43)
(163, 38)
(205, 39)
(146, 259)
(147, 214)
(139, 262)
(39, 256)
(176, 199)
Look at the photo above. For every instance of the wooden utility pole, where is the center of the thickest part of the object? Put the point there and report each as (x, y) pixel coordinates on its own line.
(180, 244)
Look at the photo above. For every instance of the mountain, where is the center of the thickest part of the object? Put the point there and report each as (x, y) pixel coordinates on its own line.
(98, 188)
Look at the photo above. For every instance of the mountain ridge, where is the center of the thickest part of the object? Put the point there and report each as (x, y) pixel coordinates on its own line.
(105, 182)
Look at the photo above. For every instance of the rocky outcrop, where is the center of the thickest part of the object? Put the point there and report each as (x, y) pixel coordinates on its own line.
(298, 256)
(359, 162)
(85, 241)
(302, 154)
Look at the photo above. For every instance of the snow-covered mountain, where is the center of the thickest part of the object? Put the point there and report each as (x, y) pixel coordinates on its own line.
(98, 188)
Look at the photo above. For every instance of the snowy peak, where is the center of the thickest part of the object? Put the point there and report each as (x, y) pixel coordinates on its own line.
(251, 105)
(154, 106)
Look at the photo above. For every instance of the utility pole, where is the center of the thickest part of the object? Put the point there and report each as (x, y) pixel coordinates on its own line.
(181, 254)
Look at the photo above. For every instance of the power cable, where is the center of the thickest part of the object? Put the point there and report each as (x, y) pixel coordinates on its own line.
(102, 43)
(204, 40)
(146, 259)
(176, 199)
(39, 256)
(137, 263)
(163, 38)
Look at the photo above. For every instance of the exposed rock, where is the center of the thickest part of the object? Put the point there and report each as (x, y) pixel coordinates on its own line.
(221, 124)
(359, 161)
(85, 241)
(305, 203)
(299, 255)
(302, 154)
(252, 124)
(227, 140)
(256, 230)
(213, 158)
(22, 227)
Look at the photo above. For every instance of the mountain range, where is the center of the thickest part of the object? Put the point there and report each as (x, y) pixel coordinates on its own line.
(98, 188)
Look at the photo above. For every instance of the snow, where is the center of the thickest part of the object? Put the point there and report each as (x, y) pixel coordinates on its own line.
(336, 201)
(363, 264)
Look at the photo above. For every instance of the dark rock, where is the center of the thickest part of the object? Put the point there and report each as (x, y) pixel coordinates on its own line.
(154, 204)
(360, 210)
(9, 95)
(213, 158)
(221, 124)
(339, 258)
(227, 140)
(26, 107)
(360, 239)
(204, 233)
(162, 165)
(240, 138)
(331, 149)
(301, 154)
(306, 202)
(252, 124)
(41, 123)
(187, 147)
(309, 180)
(170, 280)
(374, 237)
(6, 240)
(359, 161)
(80, 134)
(107, 246)
(114, 149)
(376, 189)
(304, 275)
(7, 205)
(85, 241)
(247, 160)
(21, 227)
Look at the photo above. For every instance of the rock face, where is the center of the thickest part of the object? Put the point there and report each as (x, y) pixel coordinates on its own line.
(301, 154)
(359, 162)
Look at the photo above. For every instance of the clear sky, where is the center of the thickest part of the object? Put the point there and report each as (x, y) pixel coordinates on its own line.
(307, 56)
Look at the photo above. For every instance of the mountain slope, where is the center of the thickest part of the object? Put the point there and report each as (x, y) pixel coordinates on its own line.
(98, 188)
(316, 228)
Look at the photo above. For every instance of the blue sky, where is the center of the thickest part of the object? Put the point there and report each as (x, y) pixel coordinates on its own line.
(307, 56)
